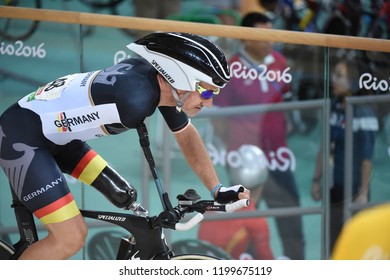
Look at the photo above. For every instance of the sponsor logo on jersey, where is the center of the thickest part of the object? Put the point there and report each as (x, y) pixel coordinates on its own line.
(65, 124)
(32, 95)
(85, 79)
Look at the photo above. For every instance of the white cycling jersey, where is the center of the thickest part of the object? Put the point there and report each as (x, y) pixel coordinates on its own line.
(72, 113)
(90, 105)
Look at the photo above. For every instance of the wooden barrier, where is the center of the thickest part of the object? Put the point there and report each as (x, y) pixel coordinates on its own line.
(237, 32)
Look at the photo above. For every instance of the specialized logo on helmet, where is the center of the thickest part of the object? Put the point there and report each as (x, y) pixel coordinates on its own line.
(162, 72)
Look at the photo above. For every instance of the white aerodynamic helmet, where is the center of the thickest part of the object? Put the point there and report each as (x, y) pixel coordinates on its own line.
(184, 59)
(253, 168)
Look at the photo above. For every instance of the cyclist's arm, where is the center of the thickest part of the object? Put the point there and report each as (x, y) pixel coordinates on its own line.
(195, 152)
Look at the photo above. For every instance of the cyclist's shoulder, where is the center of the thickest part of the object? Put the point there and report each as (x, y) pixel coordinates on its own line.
(138, 63)
(131, 66)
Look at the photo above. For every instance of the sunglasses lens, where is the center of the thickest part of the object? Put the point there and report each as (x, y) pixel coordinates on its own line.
(207, 94)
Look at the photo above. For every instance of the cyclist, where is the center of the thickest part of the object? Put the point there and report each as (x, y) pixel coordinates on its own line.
(43, 135)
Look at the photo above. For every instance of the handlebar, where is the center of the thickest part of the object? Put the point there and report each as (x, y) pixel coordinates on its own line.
(190, 224)
(208, 205)
(189, 203)
(237, 205)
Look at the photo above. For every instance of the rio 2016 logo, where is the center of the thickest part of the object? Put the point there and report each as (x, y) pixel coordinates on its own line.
(369, 82)
(19, 48)
(120, 56)
(282, 159)
(262, 72)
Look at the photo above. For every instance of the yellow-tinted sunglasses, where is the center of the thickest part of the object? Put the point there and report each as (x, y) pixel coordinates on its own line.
(206, 93)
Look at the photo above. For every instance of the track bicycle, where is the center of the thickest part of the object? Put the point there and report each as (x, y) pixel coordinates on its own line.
(146, 240)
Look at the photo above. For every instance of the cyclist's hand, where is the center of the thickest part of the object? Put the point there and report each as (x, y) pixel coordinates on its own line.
(234, 193)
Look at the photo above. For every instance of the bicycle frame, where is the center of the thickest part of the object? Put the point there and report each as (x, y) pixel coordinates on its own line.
(151, 242)
(150, 238)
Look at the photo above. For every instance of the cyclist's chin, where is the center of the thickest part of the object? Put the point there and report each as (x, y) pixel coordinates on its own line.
(192, 112)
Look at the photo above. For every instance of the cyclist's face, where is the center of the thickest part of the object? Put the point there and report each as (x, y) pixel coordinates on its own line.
(194, 102)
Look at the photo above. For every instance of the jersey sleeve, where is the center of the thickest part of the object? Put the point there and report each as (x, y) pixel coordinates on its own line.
(175, 120)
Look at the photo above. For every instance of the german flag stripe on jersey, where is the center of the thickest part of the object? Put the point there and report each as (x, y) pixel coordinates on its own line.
(61, 116)
(60, 210)
(89, 167)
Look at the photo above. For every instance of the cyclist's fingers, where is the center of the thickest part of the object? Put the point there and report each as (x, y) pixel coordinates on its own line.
(245, 194)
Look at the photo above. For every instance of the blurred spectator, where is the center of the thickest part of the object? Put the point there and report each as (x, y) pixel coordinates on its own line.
(246, 238)
(156, 8)
(365, 124)
(159, 9)
(248, 6)
(245, 6)
(226, 10)
(268, 131)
